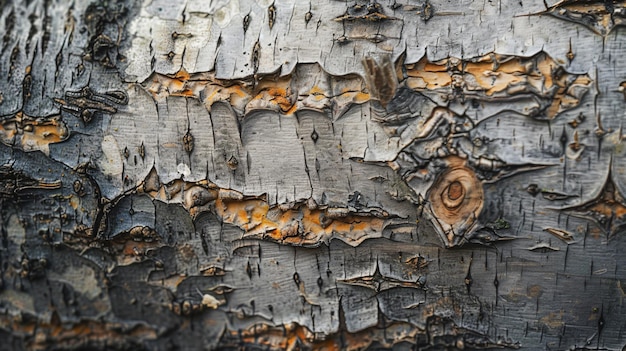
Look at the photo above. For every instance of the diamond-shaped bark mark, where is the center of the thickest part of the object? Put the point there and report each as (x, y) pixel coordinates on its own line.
(607, 209)
(455, 201)
(601, 17)
(379, 282)
(373, 12)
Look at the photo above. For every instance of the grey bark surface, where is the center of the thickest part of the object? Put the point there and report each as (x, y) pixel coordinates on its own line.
(240, 174)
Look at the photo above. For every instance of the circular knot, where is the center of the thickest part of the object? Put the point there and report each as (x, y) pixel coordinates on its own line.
(456, 199)
(453, 196)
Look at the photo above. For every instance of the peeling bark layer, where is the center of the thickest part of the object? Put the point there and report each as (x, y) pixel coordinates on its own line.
(278, 175)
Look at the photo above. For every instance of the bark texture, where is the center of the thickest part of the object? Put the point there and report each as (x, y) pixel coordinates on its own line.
(239, 174)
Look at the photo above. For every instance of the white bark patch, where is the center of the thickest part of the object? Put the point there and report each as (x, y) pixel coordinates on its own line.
(21, 300)
(111, 161)
(264, 3)
(183, 169)
(81, 279)
(16, 232)
(223, 12)
(210, 302)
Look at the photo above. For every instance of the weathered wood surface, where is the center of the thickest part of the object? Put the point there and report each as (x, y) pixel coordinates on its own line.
(340, 175)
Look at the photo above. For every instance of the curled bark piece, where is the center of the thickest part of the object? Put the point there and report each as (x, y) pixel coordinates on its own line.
(30, 133)
(561, 234)
(381, 79)
(544, 88)
(309, 86)
(439, 333)
(601, 17)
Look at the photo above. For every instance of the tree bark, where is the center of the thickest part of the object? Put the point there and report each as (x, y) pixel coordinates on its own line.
(332, 175)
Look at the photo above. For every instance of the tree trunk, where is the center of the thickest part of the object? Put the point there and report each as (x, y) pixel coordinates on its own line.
(331, 175)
